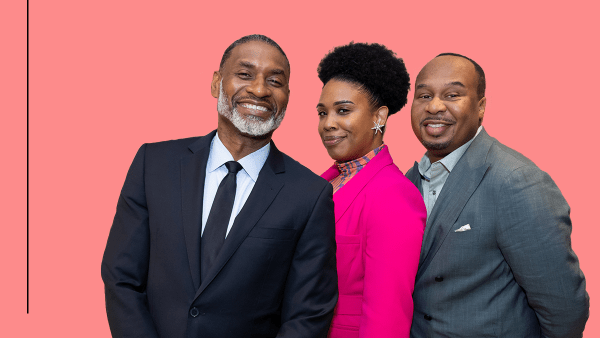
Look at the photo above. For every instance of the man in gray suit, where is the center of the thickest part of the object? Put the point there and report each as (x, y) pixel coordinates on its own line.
(496, 259)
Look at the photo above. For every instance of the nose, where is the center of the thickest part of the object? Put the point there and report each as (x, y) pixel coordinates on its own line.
(258, 87)
(329, 122)
(436, 106)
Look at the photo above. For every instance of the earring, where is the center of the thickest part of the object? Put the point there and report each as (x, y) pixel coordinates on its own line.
(378, 126)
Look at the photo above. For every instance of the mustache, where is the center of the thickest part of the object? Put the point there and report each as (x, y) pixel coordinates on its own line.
(437, 119)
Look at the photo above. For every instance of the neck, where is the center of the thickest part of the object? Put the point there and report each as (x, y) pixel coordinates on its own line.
(240, 145)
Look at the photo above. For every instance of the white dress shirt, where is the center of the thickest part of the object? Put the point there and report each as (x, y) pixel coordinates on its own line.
(216, 171)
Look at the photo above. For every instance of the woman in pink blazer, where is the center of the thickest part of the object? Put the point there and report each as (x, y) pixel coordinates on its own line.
(380, 215)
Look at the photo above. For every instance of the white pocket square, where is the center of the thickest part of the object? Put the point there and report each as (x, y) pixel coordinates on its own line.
(463, 228)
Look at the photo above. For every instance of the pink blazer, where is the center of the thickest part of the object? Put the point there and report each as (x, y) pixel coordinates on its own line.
(380, 218)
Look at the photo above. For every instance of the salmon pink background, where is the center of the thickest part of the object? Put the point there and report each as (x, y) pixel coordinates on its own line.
(107, 76)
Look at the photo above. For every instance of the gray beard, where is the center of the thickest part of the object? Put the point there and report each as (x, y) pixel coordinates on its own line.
(250, 125)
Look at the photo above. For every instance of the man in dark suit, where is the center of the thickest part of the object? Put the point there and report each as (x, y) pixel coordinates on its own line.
(496, 259)
(224, 235)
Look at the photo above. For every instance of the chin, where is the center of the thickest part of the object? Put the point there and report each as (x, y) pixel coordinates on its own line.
(335, 156)
(436, 144)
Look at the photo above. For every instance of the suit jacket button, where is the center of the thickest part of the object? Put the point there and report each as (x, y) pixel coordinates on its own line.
(427, 317)
(194, 312)
(439, 278)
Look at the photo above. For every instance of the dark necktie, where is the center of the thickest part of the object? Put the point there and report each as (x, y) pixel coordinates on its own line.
(218, 219)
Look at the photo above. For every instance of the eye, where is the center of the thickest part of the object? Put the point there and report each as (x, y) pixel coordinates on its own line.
(321, 113)
(343, 111)
(453, 95)
(244, 75)
(424, 96)
(276, 82)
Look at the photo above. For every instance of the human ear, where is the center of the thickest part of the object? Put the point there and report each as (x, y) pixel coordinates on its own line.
(381, 115)
(215, 84)
(481, 108)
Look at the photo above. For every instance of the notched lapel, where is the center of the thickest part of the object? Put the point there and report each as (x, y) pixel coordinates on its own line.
(414, 175)
(265, 190)
(193, 172)
(458, 189)
(346, 195)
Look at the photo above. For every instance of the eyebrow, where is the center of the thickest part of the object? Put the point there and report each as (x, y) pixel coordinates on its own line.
(457, 83)
(247, 64)
(276, 71)
(454, 83)
(336, 103)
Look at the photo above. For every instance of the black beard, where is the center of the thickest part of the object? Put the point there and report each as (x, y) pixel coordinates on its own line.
(436, 146)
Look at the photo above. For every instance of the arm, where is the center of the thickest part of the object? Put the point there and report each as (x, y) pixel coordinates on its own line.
(125, 261)
(395, 224)
(534, 235)
(311, 290)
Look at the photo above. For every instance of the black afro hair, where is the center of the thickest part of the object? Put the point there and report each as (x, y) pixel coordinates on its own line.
(374, 68)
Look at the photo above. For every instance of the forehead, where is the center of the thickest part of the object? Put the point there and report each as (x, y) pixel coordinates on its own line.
(447, 69)
(260, 55)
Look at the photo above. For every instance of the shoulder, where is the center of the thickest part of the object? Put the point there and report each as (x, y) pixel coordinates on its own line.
(508, 158)
(298, 174)
(170, 148)
(507, 163)
(390, 187)
(511, 174)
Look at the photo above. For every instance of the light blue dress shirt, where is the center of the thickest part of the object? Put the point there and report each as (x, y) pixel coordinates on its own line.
(434, 175)
(216, 171)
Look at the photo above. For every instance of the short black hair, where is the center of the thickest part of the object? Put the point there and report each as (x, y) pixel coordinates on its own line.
(480, 73)
(248, 38)
(374, 68)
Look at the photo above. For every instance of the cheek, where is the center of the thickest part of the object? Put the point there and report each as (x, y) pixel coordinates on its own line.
(282, 100)
(362, 134)
(415, 115)
(320, 126)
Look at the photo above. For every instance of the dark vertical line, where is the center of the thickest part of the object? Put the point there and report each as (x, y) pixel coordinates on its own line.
(27, 156)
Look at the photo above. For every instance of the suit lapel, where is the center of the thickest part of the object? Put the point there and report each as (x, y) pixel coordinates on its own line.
(414, 176)
(193, 172)
(344, 197)
(263, 193)
(460, 185)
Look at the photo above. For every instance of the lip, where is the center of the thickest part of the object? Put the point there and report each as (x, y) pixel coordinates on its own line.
(436, 128)
(428, 122)
(261, 107)
(330, 141)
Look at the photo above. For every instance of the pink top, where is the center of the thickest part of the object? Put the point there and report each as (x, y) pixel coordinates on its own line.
(349, 169)
(380, 218)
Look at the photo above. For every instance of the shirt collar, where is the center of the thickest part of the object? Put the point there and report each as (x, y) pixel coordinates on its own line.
(252, 163)
(450, 160)
(350, 167)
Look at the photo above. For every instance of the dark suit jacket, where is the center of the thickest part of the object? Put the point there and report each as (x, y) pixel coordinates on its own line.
(275, 275)
(514, 273)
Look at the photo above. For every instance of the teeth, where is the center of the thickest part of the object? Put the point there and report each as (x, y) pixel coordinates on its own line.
(255, 107)
(438, 125)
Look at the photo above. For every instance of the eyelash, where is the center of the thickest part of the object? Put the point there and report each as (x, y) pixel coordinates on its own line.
(245, 75)
(341, 111)
(427, 96)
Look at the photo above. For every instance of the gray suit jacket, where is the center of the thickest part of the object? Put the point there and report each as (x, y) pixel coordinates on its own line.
(514, 273)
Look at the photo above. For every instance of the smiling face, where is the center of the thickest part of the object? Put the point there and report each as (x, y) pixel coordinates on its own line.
(446, 110)
(345, 121)
(253, 89)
